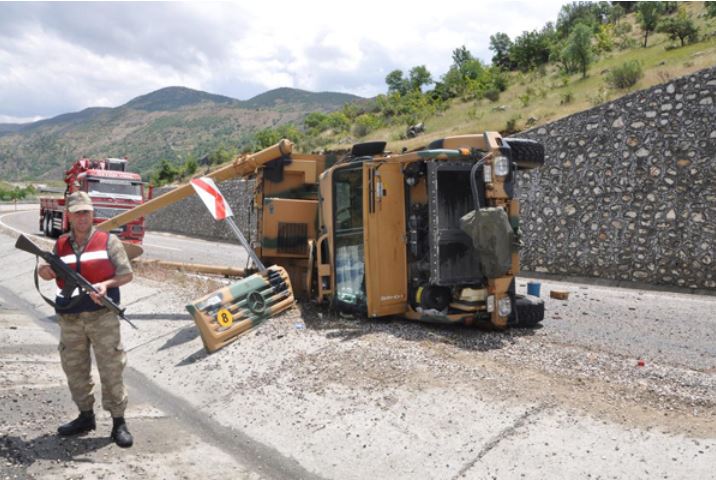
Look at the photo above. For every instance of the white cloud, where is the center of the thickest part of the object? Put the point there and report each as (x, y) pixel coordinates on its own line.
(11, 119)
(60, 57)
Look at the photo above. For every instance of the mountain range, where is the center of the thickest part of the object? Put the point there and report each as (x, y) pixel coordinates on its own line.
(169, 123)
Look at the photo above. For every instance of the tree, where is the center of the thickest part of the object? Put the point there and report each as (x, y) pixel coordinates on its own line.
(681, 26)
(453, 83)
(271, 136)
(578, 51)
(461, 56)
(668, 8)
(165, 174)
(573, 13)
(315, 121)
(627, 6)
(222, 155)
(648, 13)
(604, 38)
(365, 124)
(710, 9)
(616, 13)
(466, 76)
(500, 43)
(396, 82)
(190, 166)
(532, 49)
(419, 76)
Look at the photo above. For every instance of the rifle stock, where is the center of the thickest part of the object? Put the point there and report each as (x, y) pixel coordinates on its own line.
(72, 279)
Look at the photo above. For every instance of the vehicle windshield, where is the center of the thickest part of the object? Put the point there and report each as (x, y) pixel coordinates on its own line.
(111, 187)
(350, 261)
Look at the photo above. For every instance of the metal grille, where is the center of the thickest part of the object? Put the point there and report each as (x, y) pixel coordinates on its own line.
(106, 212)
(293, 238)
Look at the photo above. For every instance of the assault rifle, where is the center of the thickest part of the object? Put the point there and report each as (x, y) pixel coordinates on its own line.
(71, 278)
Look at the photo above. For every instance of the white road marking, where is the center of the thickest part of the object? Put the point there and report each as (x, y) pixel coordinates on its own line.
(183, 238)
(161, 246)
(15, 229)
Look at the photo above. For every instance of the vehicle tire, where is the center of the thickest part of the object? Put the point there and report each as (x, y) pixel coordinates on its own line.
(54, 232)
(367, 149)
(529, 310)
(46, 223)
(527, 154)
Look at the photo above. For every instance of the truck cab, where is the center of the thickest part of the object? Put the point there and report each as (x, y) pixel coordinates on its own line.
(112, 193)
(113, 190)
(432, 235)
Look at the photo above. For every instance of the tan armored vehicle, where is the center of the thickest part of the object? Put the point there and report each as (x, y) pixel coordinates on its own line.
(431, 234)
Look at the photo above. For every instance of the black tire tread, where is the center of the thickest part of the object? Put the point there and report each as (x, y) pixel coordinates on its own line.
(526, 153)
(529, 315)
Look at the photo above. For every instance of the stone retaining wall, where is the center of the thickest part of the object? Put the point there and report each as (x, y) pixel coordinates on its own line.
(628, 191)
(190, 217)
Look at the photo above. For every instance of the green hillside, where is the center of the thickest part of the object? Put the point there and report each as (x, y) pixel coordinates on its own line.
(173, 124)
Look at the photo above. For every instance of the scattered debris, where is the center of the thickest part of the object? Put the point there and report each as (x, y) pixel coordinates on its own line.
(415, 130)
(559, 294)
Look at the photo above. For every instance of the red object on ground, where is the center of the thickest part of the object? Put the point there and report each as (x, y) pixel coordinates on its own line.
(641, 363)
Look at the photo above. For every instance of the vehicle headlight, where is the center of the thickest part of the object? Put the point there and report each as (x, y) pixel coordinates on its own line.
(504, 306)
(502, 166)
(490, 303)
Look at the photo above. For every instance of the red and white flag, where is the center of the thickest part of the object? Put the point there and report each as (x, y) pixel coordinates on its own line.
(212, 198)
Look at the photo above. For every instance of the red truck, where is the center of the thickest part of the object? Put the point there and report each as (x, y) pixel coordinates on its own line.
(113, 190)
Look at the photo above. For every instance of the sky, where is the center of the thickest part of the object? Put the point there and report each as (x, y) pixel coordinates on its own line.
(63, 57)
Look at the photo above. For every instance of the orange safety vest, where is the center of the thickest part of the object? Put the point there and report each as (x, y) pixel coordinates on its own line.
(93, 264)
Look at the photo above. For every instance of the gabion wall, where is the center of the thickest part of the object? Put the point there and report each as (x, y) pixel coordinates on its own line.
(628, 190)
(191, 217)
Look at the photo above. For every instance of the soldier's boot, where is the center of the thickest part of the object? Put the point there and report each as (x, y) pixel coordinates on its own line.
(82, 424)
(120, 433)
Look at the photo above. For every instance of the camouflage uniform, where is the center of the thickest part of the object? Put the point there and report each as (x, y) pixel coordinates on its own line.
(101, 330)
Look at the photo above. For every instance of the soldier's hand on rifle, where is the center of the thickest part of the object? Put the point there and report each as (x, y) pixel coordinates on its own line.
(46, 272)
(101, 292)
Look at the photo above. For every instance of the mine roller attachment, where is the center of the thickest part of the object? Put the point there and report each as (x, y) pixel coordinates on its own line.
(527, 154)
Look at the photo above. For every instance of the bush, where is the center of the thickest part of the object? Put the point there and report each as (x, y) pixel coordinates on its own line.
(365, 124)
(16, 193)
(625, 75)
(271, 136)
(511, 125)
(165, 173)
(601, 96)
(525, 99)
(492, 94)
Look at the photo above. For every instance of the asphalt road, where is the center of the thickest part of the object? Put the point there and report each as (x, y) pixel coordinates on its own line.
(617, 383)
(664, 326)
(157, 245)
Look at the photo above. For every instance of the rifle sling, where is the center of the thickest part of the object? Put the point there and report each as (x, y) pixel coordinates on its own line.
(72, 303)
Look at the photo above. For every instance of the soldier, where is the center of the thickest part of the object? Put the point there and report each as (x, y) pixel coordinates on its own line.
(102, 260)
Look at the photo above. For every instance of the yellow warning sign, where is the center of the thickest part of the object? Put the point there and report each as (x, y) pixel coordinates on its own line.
(224, 317)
